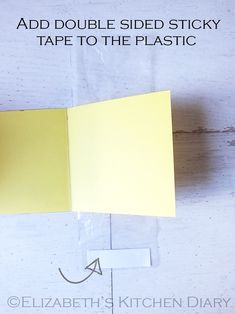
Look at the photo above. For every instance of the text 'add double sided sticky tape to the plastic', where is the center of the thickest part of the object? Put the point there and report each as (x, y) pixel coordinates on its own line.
(111, 157)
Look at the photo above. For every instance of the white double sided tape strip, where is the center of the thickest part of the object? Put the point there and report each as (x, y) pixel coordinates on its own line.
(121, 258)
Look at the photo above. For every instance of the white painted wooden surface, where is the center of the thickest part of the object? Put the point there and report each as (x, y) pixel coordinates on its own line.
(33, 247)
(196, 251)
(192, 254)
(201, 78)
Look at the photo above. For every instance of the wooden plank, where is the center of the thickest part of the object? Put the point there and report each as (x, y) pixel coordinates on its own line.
(33, 247)
(196, 251)
(199, 76)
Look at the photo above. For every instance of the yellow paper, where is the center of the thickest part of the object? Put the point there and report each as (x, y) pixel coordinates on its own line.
(111, 157)
(34, 166)
(121, 156)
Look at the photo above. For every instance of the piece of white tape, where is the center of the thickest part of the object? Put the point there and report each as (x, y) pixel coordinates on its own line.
(121, 258)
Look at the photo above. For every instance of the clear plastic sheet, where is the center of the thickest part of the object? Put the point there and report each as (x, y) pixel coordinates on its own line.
(102, 232)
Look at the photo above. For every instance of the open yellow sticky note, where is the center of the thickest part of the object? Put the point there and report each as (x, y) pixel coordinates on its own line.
(112, 157)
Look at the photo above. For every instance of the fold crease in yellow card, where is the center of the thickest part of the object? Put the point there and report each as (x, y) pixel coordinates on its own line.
(114, 156)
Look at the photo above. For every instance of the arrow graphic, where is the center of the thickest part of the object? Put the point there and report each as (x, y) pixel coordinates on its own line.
(93, 266)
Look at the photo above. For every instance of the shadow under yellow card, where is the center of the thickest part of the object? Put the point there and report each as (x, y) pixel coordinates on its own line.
(109, 157)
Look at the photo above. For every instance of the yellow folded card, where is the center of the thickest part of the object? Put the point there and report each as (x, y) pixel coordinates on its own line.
(110, 157)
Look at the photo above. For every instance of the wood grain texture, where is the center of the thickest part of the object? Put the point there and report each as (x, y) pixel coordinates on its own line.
(199, 77)
(193, 254)
(33, 247)
(196, 252)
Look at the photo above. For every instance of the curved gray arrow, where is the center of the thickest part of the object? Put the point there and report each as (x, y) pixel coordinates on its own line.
(93, 266)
